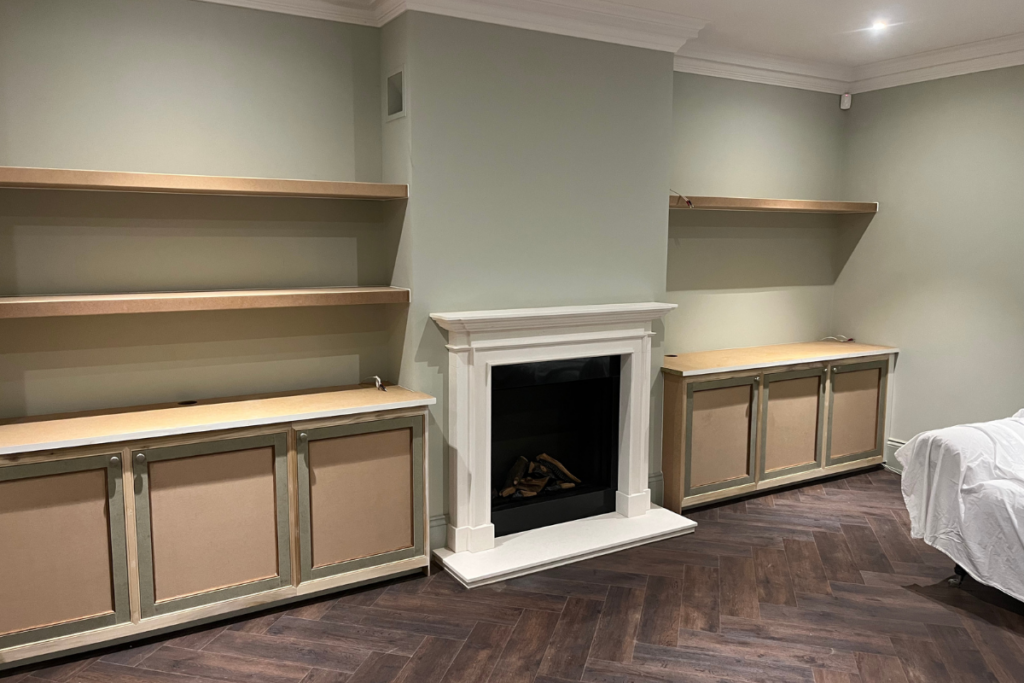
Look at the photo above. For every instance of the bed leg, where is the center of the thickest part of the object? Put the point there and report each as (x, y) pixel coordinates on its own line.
(960, 573)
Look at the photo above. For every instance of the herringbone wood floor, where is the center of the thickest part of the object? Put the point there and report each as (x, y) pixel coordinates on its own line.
(820, 584)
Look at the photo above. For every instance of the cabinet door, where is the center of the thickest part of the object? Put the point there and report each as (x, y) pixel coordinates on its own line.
(212, 521)
(360, 495)
(856, 425)
(721, 425)
(791, 417)
(63, 562)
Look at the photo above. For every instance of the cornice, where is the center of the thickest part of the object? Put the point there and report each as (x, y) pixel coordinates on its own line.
(602, 20)
(985, 55)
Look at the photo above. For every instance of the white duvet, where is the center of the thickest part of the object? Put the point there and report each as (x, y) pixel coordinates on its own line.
(964, 489)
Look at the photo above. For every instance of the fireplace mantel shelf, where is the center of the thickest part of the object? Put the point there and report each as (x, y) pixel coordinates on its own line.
(553, 316)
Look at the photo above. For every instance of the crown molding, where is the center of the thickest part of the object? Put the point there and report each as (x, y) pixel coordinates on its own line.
(985, 55)
(602, 20)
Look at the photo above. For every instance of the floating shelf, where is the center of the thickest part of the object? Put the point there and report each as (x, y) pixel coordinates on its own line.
(104, 181)
(168, 302)
(781, 205)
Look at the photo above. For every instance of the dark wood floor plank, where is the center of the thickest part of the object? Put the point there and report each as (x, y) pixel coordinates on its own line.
(569, 648)
(326, 676)
(963, 660)
(1003, 653)
(829, 676)
(895, 541)
(312, 611)
(701, 600)
(868, 609)
(223, 667)
(620, 619)
(444, 586)
(838, 619)
(62, 671)
(690, 661)
(525, 648)
(410, 622)
(840, 639)
(599, 671)
(478, 655)
(836, 557)
(105, 672)
(431, 661)
(197, 640)
(581, 572)
(805, 654)
(774, 582)
(317, 655)
(738, 587)
(697, 545)
(805, 565)
(865, 549)
(449, 606)
(379, 667)
(659, 621)
(551, 586)
(258, 625)
(921, 660)
(880, 668)
(354, 636)
(131, 655)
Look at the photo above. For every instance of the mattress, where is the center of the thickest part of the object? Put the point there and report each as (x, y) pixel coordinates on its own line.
(964, 489)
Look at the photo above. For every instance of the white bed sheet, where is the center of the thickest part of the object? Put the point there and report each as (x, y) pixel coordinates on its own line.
(964, 489)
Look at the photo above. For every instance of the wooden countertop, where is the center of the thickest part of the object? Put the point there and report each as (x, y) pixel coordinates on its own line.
(733, 360)
(50, 432)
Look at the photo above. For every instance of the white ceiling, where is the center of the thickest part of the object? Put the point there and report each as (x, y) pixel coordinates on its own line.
(825, 45)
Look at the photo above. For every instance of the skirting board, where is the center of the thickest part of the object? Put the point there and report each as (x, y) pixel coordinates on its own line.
(553, 546)
(891, 463)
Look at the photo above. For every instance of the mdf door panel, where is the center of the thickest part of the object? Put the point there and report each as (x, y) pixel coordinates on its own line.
(857, 411)
(213, 521)
(720, 431)
(792, 407)
(63, 561)
(360, 495)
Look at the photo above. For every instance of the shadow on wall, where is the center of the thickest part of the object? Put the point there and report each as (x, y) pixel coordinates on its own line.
(84, 242)
(746, 250)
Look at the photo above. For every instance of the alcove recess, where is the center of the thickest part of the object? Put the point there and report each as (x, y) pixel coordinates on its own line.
(104, 181)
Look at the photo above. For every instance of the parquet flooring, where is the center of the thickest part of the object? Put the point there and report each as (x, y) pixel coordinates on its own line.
(819, 584)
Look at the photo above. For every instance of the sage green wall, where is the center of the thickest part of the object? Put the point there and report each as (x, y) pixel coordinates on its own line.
(188, 87)
(938, 272)
(746, 279)
(540, 173)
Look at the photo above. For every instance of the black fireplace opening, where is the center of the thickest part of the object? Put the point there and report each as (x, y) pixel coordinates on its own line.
(554, 442)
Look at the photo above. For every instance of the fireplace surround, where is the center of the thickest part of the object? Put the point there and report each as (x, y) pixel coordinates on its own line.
(482, 344)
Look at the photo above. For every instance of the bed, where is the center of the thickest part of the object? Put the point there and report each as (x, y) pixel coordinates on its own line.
(964, 489)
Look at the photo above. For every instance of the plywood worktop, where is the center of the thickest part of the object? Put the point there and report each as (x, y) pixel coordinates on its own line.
(733, 360)
(51, 432)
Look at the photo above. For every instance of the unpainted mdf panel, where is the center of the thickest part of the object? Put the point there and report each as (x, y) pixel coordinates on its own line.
(854, 426)
(55, 563)
(720, 446)
(361, 497)
(213, 521)
(792, 430)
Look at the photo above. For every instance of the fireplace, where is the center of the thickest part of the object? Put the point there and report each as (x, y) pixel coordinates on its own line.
(570, 383)
(554, 442)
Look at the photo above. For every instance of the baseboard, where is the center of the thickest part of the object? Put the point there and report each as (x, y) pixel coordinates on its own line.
(891, 463)
(656, 483)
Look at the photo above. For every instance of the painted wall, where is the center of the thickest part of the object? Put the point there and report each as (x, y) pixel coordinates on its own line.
(540, 172)
(188, 87)
(938, 272)
(745, 279)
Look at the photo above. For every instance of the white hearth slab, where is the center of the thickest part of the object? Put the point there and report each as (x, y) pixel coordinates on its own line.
(553, 546)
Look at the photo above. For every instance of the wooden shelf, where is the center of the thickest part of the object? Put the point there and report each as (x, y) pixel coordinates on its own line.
(780, 205)
(737, 360)
(169, 302)
(106, 181)
(34, 434)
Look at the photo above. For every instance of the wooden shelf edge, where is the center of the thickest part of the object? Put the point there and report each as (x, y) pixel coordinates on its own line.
(780, 205)
(110, 181)
(171, 302)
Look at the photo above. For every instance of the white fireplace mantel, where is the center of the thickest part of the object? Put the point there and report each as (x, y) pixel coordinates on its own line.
(480, 340)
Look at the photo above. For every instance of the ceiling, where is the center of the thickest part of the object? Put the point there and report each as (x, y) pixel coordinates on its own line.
(825, 45)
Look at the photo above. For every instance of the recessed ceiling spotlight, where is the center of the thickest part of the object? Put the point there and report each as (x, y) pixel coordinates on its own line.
(879, 25)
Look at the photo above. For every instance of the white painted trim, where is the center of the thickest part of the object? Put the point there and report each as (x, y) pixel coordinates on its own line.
(555, 316)
(602, 20)
(985, 55)
(890, 462)
(211, 427)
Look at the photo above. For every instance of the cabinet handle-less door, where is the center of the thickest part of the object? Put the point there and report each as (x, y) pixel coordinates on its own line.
(212, 521)
(721, 428)
(360, 495)
(63, 557)
(856, 425)
(792, 407)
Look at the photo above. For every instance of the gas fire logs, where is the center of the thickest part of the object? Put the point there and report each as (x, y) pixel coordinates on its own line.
(527, 478)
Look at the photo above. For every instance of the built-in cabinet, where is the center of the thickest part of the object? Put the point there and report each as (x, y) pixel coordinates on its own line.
(743, 420)
(194, 512)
